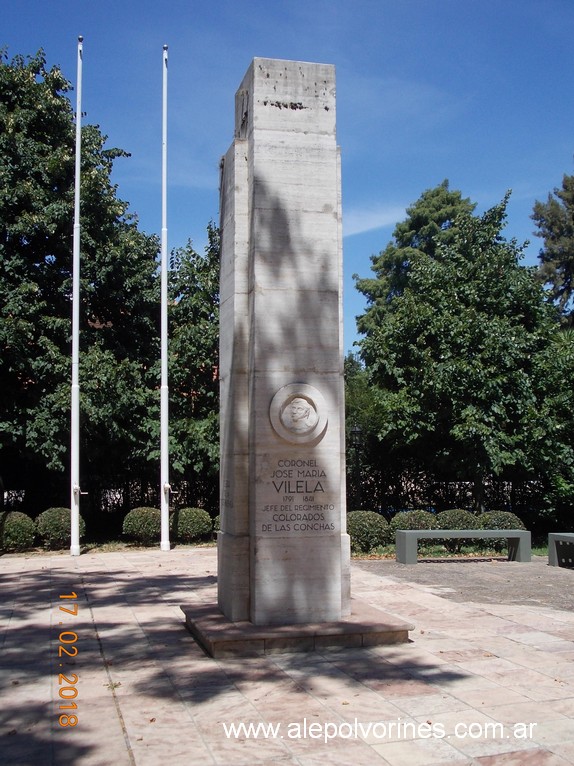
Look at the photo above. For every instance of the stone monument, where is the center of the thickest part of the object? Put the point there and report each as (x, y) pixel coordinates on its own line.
(283, 555)
(283, 552)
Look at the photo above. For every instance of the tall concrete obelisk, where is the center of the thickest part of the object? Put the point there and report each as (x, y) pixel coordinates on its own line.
(283, 554)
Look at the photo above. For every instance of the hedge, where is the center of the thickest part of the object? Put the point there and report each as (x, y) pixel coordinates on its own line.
(367, 530)
(17, 531)
(54, 528)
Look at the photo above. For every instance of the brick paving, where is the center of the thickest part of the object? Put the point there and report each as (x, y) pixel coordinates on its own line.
(487, 678)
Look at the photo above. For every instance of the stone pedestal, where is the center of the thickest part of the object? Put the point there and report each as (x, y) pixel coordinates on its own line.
(366, 627)
(283, 554)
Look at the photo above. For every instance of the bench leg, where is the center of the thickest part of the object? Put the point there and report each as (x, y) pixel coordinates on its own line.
(406, 549)
(552, 552)
(560, 552)
(519, 549)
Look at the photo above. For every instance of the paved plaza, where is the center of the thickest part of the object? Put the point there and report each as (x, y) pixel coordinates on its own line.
(487, 677)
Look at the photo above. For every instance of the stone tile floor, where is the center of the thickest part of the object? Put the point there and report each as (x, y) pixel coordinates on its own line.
(479, 683)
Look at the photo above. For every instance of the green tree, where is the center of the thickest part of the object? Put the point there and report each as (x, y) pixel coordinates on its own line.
(361, 426)
(430, 220)
(429, 223)
(119, 293)
(193, 371)
(36, 175)
(555, 222)
(458, 358)
(556, 371)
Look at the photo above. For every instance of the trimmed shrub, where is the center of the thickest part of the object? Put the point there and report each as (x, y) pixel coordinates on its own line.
(191, 524)
(412, 520)
(143, 525)
(54, 528)
(17, 531)
(456, 518)
(367, 530)
(499, 520)
(216, 525)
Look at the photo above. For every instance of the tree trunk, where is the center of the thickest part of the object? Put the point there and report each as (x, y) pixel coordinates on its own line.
(478, 494)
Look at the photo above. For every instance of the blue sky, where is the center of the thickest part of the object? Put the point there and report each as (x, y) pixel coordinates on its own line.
(479, 92)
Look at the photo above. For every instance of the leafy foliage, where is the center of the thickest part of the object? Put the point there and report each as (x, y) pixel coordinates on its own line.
(54, 528)
(555, 223)
(456, 518)
(194, 360)
(36, 175)
(412, 520)
(499, 520)
(361, 421)
(430, 223)
(118, 275)
(191, 525)
(459, 359)
(17, 531)
(120, 314)
(143, 525)
(418, 519)
(367, 530)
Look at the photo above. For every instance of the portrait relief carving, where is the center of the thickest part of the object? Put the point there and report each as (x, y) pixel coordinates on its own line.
(298, 413)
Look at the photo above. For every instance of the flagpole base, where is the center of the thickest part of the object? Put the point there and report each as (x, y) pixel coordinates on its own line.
(165, 546)
(74, 550)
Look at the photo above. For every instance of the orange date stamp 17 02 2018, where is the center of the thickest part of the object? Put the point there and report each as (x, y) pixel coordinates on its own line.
(67, 689)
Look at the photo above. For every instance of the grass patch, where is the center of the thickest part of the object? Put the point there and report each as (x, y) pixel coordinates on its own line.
(433, 551)
(540, 550)
(109, 546)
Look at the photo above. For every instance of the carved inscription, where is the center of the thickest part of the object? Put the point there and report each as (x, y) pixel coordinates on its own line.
(298, 498)
(226, 498)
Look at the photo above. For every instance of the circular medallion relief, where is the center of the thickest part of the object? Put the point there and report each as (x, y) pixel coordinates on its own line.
(298, 413)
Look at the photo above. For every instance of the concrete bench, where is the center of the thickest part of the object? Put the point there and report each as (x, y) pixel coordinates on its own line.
(559, 550)
(407, 539)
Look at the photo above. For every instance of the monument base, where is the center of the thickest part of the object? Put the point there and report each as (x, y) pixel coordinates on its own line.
(366, 626)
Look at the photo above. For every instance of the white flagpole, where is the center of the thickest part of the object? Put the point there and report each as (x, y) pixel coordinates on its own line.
(164, 425)
(75, 405)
